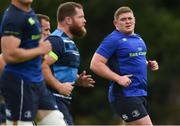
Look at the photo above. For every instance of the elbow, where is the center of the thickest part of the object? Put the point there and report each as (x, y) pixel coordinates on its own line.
(93, 66)
(1, 67)
(8, 59)
(2, 63)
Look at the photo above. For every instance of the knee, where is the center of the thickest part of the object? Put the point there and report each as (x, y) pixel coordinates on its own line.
(53, 118)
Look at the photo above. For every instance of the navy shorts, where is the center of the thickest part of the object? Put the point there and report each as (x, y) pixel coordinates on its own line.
(24, 98)
(130, 108)
(2, 113)
(64, 107)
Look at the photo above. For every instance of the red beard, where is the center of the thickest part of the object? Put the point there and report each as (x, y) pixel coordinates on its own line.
(77, 31)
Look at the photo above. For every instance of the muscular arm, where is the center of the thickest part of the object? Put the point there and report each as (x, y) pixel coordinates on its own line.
(98, 66)
(12, 53)
(2, 63)
(48, 76)
(65, 89)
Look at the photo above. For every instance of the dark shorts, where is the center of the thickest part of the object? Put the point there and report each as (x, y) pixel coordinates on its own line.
(2, 113)
(2, 109)
(24, 98)
(130, 108)
(64, 107)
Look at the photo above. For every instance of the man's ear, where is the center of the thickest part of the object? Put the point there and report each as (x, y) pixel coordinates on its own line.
(114, 22)
(68, 20)
(134, 20)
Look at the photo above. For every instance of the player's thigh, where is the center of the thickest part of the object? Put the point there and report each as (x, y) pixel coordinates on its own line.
(41, 114)
(143, 121)
(50, 117)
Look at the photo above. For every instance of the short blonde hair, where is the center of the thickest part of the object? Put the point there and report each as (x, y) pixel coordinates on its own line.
(122, 10)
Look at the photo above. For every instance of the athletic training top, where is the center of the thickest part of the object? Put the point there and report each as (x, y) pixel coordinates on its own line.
(26, 27)
(126, 55)
(67, 57)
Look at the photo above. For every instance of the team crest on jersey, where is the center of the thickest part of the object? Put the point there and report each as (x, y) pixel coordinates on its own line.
(135, 113)
(31, 21)
(125, 117)
(140, 48)
(124, 39)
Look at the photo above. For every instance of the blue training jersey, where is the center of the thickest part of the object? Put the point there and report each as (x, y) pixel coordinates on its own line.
(26, 27)
(65, 69)
(126, 55)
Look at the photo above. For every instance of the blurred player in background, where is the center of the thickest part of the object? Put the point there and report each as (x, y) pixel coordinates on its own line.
(45, 25)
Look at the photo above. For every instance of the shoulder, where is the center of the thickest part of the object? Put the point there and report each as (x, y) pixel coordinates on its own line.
(114, 36)
(138, 36)
(55, 39)
(14, 16)
(13, 22)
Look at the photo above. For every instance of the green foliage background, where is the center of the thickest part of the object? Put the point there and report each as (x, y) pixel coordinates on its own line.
(158, 22)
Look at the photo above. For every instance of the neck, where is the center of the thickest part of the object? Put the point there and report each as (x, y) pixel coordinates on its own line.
(65, 29)
(24, 7)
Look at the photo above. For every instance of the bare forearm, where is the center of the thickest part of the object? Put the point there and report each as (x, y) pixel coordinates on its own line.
(13, 53)
(21, 55)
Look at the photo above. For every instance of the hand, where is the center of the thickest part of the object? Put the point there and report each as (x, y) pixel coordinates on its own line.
(125, 80)
(45, 47)
(85, 80)
(66, 88)
(153, 65)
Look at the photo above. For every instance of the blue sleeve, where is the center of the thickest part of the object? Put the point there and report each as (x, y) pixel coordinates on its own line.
(57, 45)
(12, 24)
(107, 47)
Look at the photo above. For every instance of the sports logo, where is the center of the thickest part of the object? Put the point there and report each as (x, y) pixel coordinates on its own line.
(135, 113)
(28, 114)
(31, 21)
(124, 39)
(125, 117)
